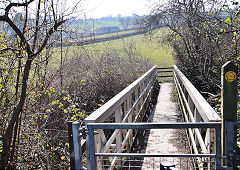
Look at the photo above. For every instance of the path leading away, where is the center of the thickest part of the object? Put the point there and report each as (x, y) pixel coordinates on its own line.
(164, 141)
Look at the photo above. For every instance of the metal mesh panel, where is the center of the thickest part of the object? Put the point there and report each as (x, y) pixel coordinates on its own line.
(156, 163)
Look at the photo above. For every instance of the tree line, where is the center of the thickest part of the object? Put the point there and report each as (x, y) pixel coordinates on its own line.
(42, 87)
(203, 34)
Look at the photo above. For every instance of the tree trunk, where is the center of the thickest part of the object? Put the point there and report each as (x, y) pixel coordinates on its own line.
(7, 138)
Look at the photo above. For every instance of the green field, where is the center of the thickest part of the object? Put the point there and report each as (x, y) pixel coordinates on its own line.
(105, 35)
(114, 34)
(141, 46)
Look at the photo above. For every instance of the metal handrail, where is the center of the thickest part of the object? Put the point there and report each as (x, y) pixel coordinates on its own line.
(93, 126)
(206, 112)
(195, 109)
(142, 89)
(101, 114)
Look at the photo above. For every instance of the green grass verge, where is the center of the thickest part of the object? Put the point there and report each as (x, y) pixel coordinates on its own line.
(141, 45)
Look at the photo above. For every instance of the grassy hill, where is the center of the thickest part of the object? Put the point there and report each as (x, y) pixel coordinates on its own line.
(143, 46)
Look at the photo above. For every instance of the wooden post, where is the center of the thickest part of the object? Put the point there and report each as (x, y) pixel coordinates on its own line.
(137, 106)
(130, 119)
(229, 82)
(141, 100)
(100, 139)
(118, 119)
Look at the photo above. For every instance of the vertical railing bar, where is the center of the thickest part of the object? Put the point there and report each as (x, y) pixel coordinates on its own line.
(77, 145)
(91, 148)
(185, 115)
(127, 135)
(218, 147)
(129, 120)
(118, 119)
(198, 134)
(127, 115)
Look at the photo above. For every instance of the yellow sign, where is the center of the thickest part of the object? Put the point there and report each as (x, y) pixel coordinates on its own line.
(230, 76)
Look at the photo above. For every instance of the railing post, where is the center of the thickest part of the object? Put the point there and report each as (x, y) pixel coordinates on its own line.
(229, 110)
(141, 99)
(218, 147)
(99, 138)
(77, 145)
(136, 94)
(91, 148)
(118, 119)
(71, 148)
(130, 119)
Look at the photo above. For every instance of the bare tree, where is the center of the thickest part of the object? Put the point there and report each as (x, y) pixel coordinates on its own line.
(39, 21)
(125, 22)
(202, 36)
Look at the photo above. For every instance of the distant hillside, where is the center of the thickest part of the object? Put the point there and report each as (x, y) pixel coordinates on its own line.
(101, 38)
(103, 25)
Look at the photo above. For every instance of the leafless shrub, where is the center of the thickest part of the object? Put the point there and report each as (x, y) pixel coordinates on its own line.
(93, 79)
(89, 80)
(204, 36)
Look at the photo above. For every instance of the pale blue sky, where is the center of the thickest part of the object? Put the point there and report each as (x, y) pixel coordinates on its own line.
(100, 8)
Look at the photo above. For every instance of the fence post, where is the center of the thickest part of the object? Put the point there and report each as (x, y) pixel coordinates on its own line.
(77, 145)
(218, 147)
(229, 110)
(91, 147)
(71, 148)
(119, 138)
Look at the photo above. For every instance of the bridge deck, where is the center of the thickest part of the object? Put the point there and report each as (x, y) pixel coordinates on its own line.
(165, 141)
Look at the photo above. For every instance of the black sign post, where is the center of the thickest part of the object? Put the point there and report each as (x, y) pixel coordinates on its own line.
(229, 111)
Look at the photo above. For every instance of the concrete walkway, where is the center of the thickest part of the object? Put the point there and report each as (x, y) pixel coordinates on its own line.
(164, 141)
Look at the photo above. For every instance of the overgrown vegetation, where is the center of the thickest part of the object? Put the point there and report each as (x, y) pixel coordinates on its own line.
(204, 35)
(94, 77)
(38, 99)
(89, 80)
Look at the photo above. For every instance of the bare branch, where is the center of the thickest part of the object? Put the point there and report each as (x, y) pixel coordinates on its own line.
(50, 32)
(9, 48)
(7, 9)
(3, 18)
(25, 20)
(18, 32)
(37, 26)
(53, 11)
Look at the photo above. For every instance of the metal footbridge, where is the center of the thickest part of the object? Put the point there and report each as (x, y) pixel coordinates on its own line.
(107, 138)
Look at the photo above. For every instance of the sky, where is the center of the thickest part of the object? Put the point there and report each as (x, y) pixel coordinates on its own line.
(101, 8)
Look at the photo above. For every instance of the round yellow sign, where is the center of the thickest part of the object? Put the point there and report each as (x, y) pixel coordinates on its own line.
(230, 76)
